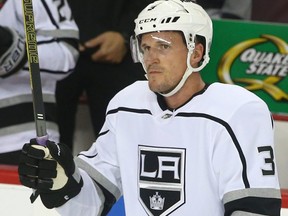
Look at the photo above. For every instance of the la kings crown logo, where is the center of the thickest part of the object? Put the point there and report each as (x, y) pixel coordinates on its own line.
(161, 179)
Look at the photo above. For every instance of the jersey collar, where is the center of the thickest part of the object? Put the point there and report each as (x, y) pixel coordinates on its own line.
(163, 105)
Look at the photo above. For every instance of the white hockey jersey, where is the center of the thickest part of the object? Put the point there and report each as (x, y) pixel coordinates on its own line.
(213, 156)
(55, 28)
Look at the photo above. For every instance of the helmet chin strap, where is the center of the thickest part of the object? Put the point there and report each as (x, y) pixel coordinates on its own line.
(187, 73)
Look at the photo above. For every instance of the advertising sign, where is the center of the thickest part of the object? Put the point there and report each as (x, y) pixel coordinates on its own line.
(254, 56)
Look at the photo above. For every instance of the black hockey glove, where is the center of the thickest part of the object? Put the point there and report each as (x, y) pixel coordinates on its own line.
(12, 51)
(51, 171)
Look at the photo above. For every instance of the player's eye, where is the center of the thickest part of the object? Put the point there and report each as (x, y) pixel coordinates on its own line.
(164, 46)
(145, 48)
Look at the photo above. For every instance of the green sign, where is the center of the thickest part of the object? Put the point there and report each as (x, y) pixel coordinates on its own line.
(254, 56)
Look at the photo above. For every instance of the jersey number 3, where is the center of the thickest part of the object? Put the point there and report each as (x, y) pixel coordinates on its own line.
(268, 160)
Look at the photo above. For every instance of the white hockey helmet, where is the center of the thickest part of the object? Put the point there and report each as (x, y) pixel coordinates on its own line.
(175, 15)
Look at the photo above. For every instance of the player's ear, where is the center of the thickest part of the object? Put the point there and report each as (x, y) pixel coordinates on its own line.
(197, 54)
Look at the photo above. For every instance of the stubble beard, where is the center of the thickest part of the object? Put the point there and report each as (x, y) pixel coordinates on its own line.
(162, 87)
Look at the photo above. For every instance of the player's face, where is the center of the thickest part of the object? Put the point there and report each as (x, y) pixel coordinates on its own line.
(164, 57)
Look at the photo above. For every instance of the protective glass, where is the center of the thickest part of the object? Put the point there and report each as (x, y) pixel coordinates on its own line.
(155, 45)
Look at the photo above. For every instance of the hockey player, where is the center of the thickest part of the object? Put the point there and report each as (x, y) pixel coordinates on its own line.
(171, 145)
(57, 38)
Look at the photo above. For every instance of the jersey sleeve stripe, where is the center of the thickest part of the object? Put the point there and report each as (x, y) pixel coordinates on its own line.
(59, 33)
(42, 70)
(22, 113)
(98, 177)
(256, 201)
(253, 192)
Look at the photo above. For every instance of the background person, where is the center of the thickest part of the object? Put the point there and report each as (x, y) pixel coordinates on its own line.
(57, 38)
(227, 9)
(105, 65)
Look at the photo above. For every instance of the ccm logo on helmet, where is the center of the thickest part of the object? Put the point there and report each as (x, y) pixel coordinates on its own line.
(147, 20)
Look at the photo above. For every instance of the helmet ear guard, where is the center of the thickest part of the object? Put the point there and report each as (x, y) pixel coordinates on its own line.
(175, 15)
(135, 49)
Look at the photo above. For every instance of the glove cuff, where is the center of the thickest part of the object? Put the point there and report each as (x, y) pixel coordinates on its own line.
(57, 198)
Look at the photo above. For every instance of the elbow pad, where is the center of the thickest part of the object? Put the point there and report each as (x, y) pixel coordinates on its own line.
(13, 52)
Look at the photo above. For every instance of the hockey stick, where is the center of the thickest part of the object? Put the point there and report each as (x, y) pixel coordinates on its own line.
(34, 69)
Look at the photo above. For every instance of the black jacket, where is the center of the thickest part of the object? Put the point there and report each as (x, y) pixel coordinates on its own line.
(97, 16)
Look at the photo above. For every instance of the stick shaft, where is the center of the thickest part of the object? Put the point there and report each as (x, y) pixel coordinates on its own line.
(34, 69)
